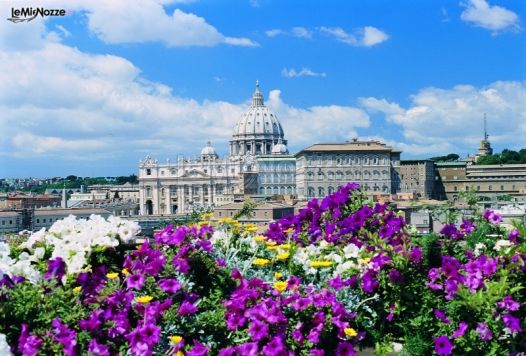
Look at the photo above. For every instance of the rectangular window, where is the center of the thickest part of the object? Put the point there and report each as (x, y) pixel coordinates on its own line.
(490, 187)
(501, 187)
(148, 172)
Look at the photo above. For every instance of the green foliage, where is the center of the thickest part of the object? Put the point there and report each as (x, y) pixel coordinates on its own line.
(452, 157)
(505, 157)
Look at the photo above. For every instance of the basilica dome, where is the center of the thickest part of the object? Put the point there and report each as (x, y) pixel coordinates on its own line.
(258, 130)
(208, 151)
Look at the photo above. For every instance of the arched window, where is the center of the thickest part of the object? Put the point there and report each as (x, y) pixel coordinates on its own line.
(310, 176)
(339, 175)
(310, 192)
(349, 176)
(321, 191)
(330, 175)
(330, 190)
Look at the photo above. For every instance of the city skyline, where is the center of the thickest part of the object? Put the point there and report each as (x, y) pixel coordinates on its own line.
(93, 92)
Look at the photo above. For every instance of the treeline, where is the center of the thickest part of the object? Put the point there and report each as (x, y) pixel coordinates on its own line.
(71, 182)
(452, 157)
(505, 157)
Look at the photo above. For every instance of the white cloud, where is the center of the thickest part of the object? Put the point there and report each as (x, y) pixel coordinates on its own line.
(491, 17)
(298, 31)
(453, 117)
(87, 107)
(147, 21)
(123, 21)
(373, 36)
(301, 32)
(274, 32)
(305, 126)
(367, 36)
(304, 72)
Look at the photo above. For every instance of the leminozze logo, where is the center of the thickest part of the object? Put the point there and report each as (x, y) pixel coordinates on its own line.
(29, 13)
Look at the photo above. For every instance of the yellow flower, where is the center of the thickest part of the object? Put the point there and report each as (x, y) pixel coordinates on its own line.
(284, 246)
(260, 238)
(278, 275)
(144, 299)
(251, 229)
(112, 275)
(125, 271)
(272, 248)
(261, 262)
(207, 215)
(179, 353)
(289, 230)
(350, 332)
(364, 261)
(280, 286)
(283, 256)
(77, 290)
(202, 223)
(270, 243)
(317, 264)
(175, 339)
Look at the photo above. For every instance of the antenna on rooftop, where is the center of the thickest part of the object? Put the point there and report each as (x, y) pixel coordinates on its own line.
(485, 128)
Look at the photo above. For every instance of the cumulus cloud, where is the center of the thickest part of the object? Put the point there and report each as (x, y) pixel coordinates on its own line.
(122, 21)
(491, 17)
(367, 36)
(298, 31)
(454, 116)
(147, 21)
(304, 72)
(95, 107)
(305, 126)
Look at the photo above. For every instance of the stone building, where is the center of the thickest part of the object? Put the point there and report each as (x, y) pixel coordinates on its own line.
(277, 172)
(322, 168)
(487, 181)
(417, 177)
(189, 184)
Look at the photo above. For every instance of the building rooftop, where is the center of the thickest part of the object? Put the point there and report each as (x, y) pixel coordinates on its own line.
(70, 211)
(354, 145)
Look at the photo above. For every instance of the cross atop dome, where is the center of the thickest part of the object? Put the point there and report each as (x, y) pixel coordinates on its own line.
(257, 97)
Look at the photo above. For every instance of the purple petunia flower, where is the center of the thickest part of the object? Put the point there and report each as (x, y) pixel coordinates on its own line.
(275, 347)
(65, 336)
(395, 276)
(169, 285)
(258, 330)
(56, 268)
(513, 236)
(492, 216)
(198, 349)
(439, 314)
(484, 332)
(249, 349)
(187, 308)
(369, 282)
(462, 328)
(28, 344)
(509, 304)
(135, 281)
(442, 345)
(512, 323)
(415, 254)
(345, 349)
(95, 348)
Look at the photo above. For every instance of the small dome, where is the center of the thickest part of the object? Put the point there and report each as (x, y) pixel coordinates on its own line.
(280, 148)
(208, 150)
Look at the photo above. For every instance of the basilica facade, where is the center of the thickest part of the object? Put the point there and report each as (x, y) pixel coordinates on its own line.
(208, 180)
(259, 163)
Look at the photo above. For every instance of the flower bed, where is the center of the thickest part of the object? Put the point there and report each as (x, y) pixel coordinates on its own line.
(342, 275)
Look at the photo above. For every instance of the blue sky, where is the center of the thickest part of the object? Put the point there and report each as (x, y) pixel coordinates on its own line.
(93, 92)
